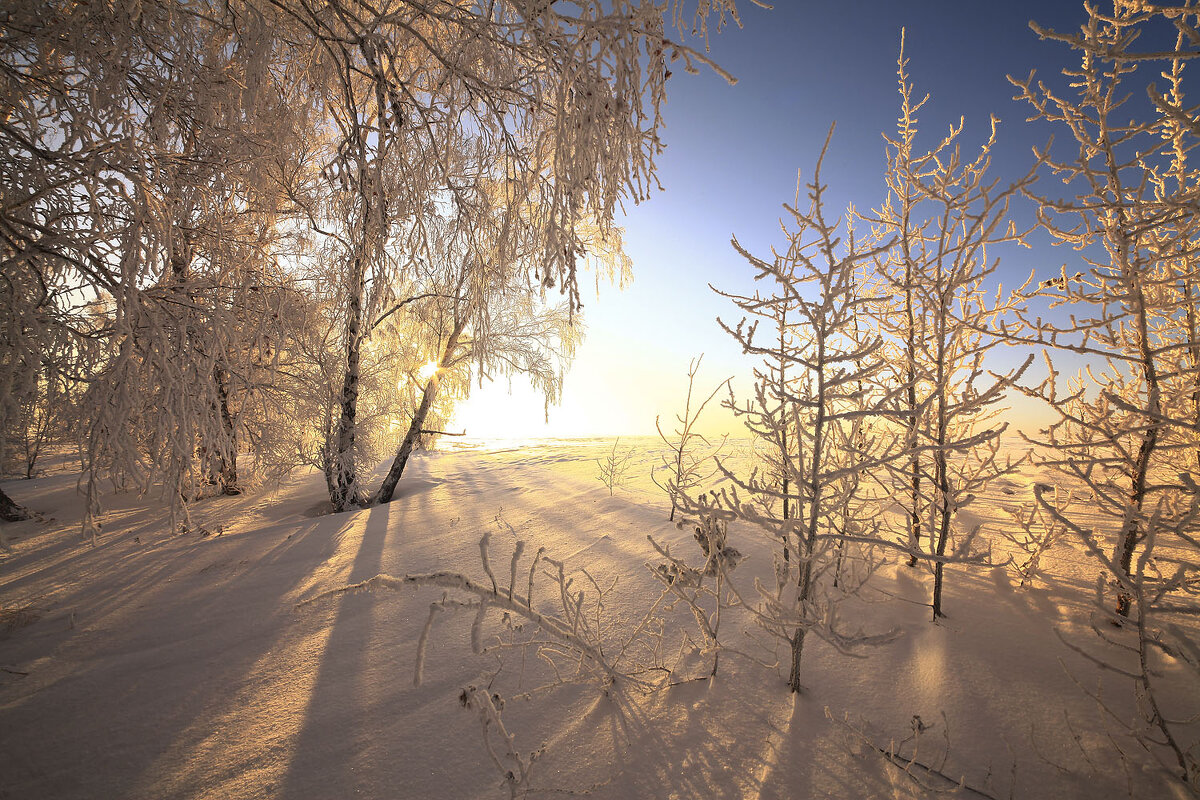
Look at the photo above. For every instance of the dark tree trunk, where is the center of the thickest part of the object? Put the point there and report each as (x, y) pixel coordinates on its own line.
(344, 474)
(914, 519)
(1130, 534)
(806, 579)
(228, 477)
(943, 537)
(941, 474)
(9, 510)
(797, 652)
(388, 488)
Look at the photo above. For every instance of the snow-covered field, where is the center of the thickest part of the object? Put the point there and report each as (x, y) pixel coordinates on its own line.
(164, 665)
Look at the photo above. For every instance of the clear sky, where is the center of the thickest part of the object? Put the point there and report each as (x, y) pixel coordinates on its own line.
(731, 161)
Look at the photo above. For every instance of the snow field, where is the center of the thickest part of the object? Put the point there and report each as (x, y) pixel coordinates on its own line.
(187, 666)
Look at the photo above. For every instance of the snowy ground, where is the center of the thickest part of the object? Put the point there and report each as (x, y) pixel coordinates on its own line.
(160, 665)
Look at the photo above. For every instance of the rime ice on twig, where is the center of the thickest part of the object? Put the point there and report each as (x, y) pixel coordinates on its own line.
(823, 414)
(613, 468)
(1127, 429)
(686, 469)
(946, 218)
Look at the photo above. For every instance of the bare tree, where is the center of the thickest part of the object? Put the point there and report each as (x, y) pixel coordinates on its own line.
(686, 469)
(944, 214)
(1126, 429)
(897, 217)
(839, 430)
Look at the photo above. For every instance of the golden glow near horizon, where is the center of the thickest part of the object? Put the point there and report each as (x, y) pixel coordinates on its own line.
(627, 372)
(594, 407)
(617, 385)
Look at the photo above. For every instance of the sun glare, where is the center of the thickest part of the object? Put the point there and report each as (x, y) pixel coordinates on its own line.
(428, 371)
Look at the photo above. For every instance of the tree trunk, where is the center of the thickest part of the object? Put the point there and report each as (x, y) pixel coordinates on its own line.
(940, 459)
(9, 510)
(345, 478)
(803, 594)
(388, 488)
(805, 584)
(944, 515)
(914, 512)
(797, 651)
(1130, 534)
(228, 476)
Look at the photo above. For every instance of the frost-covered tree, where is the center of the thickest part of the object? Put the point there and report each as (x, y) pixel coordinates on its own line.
(897, 217)
(781, 450)
(138, 181)
(311, 374)
(827, 429)
(47, 405)
(1126, 429)
(556, 104)
(160, 153)
(481, 321)
(944, 213)
(21, 329)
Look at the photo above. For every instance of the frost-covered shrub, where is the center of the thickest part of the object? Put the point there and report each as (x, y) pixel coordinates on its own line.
(946, 217)
(825, 417)
(614, 468)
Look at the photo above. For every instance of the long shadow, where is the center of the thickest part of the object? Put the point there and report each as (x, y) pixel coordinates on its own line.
(574, 531)
(183, 643)
(343, 747)
(346, 693)
(62, 555)
(261, 702)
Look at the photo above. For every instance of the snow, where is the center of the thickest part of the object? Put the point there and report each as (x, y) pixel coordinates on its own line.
(168, 665)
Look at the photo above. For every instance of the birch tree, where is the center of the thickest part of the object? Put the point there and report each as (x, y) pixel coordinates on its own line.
(557, 104)
(156, 150)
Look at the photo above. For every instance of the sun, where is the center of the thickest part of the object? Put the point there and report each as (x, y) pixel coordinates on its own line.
(427, 371)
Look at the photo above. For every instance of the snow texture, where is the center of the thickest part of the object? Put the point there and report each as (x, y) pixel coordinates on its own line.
(208, 664)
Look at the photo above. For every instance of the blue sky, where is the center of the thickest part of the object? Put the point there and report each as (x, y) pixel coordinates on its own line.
(731, 161)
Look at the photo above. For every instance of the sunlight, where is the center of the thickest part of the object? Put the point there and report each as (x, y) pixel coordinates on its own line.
(887, 458)
(427, 371)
